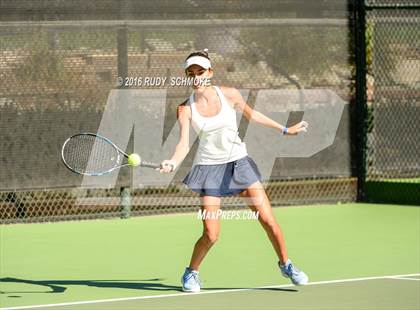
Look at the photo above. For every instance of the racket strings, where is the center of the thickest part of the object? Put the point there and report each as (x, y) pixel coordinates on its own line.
(89, 154)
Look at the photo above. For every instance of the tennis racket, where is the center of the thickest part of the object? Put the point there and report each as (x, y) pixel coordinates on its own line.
(92, 154)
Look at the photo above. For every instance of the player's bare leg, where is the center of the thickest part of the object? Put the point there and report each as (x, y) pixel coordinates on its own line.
(211, 228)
(257, 201)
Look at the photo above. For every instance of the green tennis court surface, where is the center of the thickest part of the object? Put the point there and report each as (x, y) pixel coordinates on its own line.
(358, 256)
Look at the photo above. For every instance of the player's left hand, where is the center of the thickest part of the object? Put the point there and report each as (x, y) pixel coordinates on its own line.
(299, 127)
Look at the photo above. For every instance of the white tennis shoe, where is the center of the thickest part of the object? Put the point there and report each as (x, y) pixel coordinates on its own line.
(190, 281)
(288, 270)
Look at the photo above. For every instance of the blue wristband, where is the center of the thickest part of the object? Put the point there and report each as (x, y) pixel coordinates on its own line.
(285, 130)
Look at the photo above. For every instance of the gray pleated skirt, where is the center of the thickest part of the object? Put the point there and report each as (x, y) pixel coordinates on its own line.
(223, 179)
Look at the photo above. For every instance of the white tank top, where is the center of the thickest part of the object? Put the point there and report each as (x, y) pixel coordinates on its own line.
(218, 135)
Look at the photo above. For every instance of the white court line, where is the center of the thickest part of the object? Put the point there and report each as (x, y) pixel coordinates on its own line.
(205, 292)
(402, 278)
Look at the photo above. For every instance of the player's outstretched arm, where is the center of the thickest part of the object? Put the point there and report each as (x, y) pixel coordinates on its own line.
(238, 102)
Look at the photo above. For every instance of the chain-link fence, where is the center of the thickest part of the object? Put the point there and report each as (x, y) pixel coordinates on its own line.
(393, 97)
(60, 63)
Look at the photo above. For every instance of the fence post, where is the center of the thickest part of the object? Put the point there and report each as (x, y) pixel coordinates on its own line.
(361, 104)
(125, 200)
(122, 53)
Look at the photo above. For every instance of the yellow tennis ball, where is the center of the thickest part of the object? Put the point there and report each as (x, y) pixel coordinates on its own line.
(134, 159)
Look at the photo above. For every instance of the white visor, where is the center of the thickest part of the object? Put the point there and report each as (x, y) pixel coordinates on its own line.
(198, 60)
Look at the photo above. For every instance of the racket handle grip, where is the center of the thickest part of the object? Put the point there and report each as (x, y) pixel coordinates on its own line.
(150, 165)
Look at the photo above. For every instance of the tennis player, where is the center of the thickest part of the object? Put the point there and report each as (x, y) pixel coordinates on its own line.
(222, 166)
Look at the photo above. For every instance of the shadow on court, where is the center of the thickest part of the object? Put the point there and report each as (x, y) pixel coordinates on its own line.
(59, 286)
